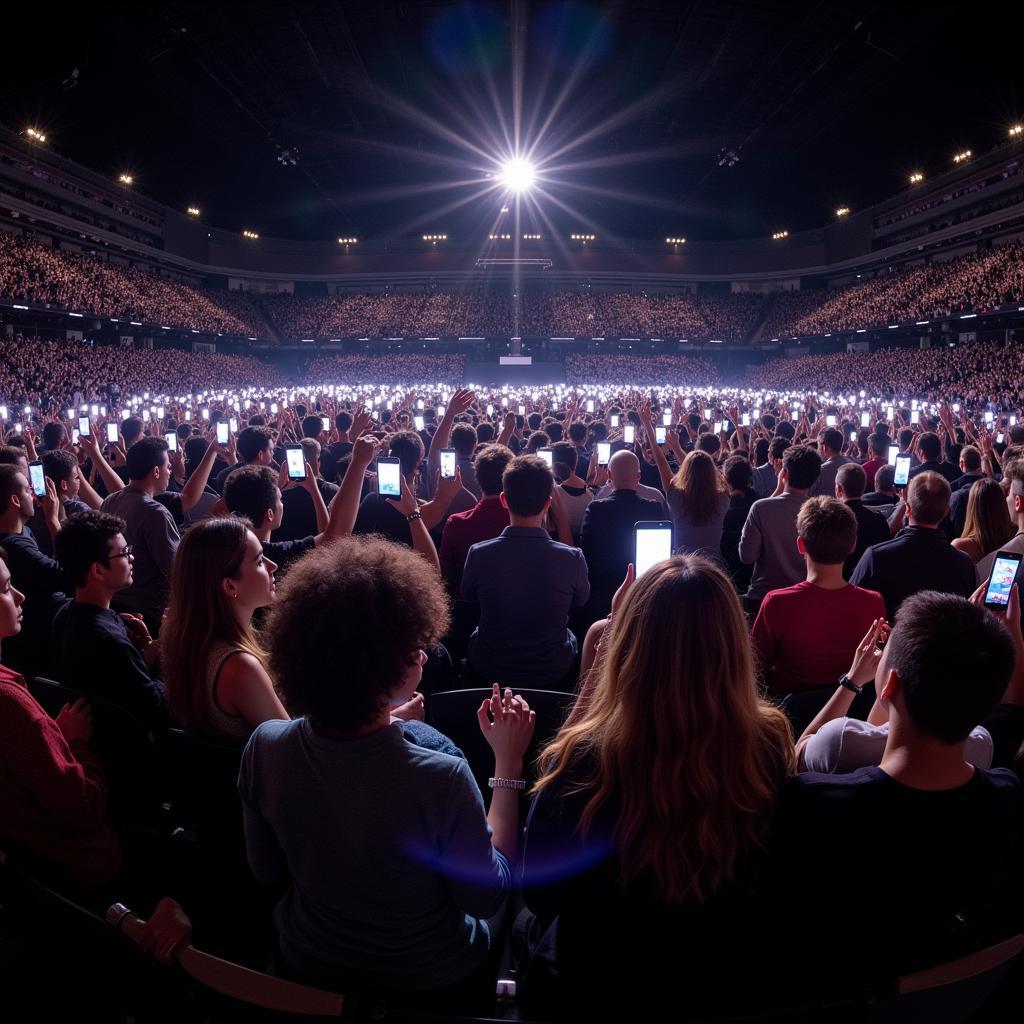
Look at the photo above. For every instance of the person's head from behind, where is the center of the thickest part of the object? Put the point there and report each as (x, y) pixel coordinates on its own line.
(697, 486)
(490, 464)
(311, 450)
(885, 479)
(1013, 481)
(255, 444)
(12, 455)
(761, 447)
(878, 446)
(220, 577)
(407, 447)
(54, 434)
(485, 433)
(566, 456)
(777, 449)
(578, 433)
(131, 430)
(11, 600)
(675, 710)
(624, 471)
(928, 499)
(946, 665)
(252, 492)
(739, 474)
(526, 487)
(62, 468)
(709, 444)
(194, 449)
(850, 481)
(830, 443)
(463, 440)
(970, 459)
(313, 426)
(17, 502)
(802, 466)
(826, 531)
(905, 438)
(365, 603)
(929, 447)
(988, 520)
(94, 554)
(343, 422)
(148, 464)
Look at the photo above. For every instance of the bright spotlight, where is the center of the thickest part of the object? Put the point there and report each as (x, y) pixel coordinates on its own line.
(517, 174)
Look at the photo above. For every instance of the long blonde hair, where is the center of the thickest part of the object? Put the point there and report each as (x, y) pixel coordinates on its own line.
(199, 616)
(676, 734)
(698, 487)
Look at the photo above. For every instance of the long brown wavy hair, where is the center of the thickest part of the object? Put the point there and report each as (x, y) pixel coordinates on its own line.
(697, 486)
(199, 615)
(675, 735)
(988, 520)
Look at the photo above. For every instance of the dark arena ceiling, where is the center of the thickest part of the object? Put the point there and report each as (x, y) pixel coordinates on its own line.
(695, 118)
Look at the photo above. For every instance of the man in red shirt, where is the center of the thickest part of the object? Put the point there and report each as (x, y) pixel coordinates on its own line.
(878, 455)
(805, 635)
(485, 520)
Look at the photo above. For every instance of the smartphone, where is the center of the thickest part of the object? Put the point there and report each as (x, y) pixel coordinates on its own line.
(616, 419)
(419, 403)
(206, 412)
(548, 456)
(111, 433)
(830, 421)
(389, 478)
(1000, 437)
(327, 423)
(222, 433)
(629, 433)
(522, 410)
(745, 419)
(853, 437)
(659, 435)
(171, 437)
(233, 424)
(447, 463)
(38, 481)
(604, 452)
(74, 436)
(418, 421)
(902, 477)
(84, 426)
(794, 415)
(915, 417)
(296, 462)
(894, 450)
(590, 405)
(1001, 579)
(719, 426)
(652, 543)
(988, 417)
(865, 419)
(666, 418)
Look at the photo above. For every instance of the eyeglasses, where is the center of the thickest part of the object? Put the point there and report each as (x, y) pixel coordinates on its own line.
(126, 553)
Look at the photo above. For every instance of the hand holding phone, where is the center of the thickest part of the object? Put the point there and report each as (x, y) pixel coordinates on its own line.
(652, 543)
(37, 479)
(1005, 570)
(902, 477)
(296, 462)
(604, 452)
(222, 432)
(448, 463)
(389, 478)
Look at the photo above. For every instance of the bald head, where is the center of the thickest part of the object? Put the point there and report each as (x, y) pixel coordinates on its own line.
(624, 471)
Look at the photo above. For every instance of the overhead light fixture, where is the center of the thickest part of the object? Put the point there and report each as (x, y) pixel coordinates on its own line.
(435, 238)
(347, 241)
(497, 238)
(583, 238)
(916, 177)
(675, 240)
(125, 179)
(842, 211)
(517, 174)
(960, 157)
(38, 136)
(531, 238)
(193, 211)
(249, 234)
(1017, 129)
(776, 235)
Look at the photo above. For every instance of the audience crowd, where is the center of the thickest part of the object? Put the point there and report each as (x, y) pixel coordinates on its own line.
(442, 703)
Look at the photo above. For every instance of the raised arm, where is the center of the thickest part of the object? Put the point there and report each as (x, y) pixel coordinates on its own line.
(111, 480)
(652, 440)
(196, 483)
(345, 506)
(457, 404)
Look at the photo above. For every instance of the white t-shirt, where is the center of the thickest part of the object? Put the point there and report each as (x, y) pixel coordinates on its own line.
(846, 744)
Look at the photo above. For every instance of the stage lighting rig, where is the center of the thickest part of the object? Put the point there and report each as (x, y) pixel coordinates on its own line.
(728, 157)
(288, 157)
(517, 174)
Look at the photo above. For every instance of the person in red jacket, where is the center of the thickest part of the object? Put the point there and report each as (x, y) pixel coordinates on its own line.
(53, 794)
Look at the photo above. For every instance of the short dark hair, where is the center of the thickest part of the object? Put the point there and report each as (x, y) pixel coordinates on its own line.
(312, 426)
(11, 455)
(885, 478)
(527, 484)
(878, 443)
(485, 432)
(929, 445)
(365, 602)
(761, 447)
(250, 492)
(59, 465)
(928, 497)
(490, 464)
(407, 447)
(778, 447)
(9, 485)
(253, 440)
(147, 454)
(954, 661)
(803, 466)
(131, 428)
(852, 479)
(577, 432)
(84, 540)
(784, 428)
(463, 439)
(832, 439)
(343, 421)
(828, 529)
(971, 458)
(566, 454)
(709, 444)
(738, 472)
(53, 434)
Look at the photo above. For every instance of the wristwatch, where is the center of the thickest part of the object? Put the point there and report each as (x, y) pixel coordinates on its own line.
(414, 515)
(844, 680)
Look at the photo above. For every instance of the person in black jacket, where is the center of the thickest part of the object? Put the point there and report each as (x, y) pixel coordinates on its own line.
(920, 556)
(739, 476)
(872, 526)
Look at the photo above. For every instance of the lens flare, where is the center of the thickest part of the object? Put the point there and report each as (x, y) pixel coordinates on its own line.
(517, 174)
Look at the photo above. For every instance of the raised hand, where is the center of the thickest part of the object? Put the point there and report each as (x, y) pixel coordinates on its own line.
(507, 724)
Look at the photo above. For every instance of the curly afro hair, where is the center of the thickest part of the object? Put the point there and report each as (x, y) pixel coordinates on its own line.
(349, 621)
